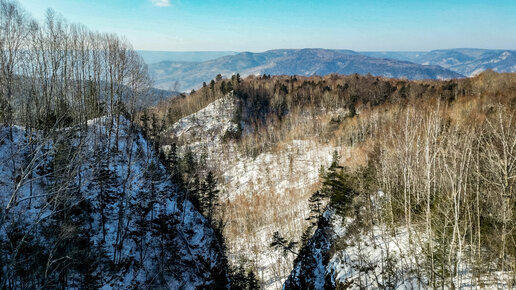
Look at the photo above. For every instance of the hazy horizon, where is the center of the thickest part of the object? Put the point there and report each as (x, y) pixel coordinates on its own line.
(280, 48)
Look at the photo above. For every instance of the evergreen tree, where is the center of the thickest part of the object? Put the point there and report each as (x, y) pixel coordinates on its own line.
(153, 176)
(172, 161)
(223, 89)
(140, 209)
(242, 279)
(307, 234)
(189, 165)
(144, 118)
(154, 132)
(163, 230)
(210, 196)
(195, 192)
(81, 217)
(280, 243)
(316, 206)
(339, 186)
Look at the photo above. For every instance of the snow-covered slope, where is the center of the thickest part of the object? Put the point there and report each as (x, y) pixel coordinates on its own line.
(205, 129)
(341, 254)
(309, 270)
(260, 194)
(136, 229)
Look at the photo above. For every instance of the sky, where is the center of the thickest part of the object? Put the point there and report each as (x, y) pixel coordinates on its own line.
(259, 25)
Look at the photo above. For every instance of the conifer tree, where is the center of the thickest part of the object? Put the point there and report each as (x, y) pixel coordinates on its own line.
(339, 186)
(210, 196)
(280, 243)
(316, 206)
(172, 161)
(238, 278)
(144, 118)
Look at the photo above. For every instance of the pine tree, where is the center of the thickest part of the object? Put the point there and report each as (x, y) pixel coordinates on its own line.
(83, 249)
(152, 177)
(210, 196)
(140, 209)
(195, 192)
(189, 165)
(316, 206)
(144, 118)
(223, 87)
(339, 186)
(163, 230)
(307, 235)
(280, 243)
(172, 161)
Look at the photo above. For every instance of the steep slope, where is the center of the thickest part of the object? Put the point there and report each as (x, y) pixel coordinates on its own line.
(304, 62)
(343, 255)
(101, 206)
(260, 194)
(310, 266)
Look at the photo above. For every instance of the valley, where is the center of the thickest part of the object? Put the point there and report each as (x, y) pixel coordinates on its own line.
(126, 164)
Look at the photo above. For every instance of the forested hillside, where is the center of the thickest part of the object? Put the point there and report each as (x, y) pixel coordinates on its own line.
(296, 182)
(85, 200)
(429, 164)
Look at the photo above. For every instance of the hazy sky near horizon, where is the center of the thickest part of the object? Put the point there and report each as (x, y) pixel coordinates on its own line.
(372, 25)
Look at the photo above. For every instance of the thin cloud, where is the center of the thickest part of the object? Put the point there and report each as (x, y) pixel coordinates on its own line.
(161, 3)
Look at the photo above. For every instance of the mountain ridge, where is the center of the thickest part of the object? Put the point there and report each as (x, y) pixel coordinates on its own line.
(466, 61)
(305, 62)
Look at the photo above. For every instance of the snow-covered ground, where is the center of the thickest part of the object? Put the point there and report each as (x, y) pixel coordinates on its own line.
(381, 257)
(261, 194)
(375, 258)
(24, 192)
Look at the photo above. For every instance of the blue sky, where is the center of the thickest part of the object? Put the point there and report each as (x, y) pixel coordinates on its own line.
(372, 25)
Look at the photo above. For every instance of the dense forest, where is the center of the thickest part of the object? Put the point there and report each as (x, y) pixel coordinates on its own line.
(441, 153)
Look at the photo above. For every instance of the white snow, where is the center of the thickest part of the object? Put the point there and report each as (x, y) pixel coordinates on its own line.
(382, 257)
(285, 178)
(16, 192)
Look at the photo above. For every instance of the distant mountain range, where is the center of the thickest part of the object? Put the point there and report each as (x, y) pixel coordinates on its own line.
(304, 62)
(188, 70)
(151, 57)
(466, 61)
